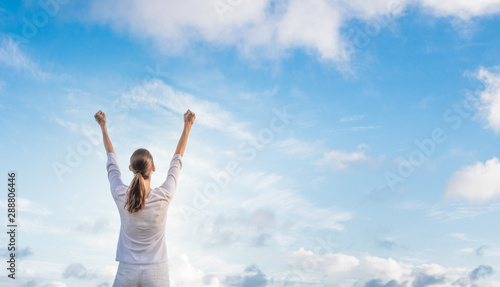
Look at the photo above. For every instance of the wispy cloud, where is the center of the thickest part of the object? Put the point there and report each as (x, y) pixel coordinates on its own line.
(460, 211)
(29, 206)
(352, 118)
(294, 146)
(340, 160)
(299, 209)
(64, 123)
(161, 96)
(460, 236)
(353, 129)
(12, 56)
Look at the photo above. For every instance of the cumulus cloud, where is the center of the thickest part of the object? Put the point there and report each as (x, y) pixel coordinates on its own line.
(489, 98)
(475, 183)
(480, 272)
(249, 25)
(183, 273)
(371, 271)
(266, 27)
(252, 277)
(77, 270)
(480, 250)
(328, 263)
(462, 9)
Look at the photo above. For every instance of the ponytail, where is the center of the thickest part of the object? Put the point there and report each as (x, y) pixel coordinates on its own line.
(141, 163)
(136, 198)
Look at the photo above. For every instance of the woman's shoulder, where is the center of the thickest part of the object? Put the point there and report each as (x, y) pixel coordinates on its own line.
(157, 193)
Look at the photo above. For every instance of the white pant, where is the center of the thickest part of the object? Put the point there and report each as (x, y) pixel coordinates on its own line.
(142, 275)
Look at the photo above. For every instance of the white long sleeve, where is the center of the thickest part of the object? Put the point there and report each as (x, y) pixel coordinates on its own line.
(142, 234)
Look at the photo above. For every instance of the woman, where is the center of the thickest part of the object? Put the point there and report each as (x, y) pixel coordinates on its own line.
(141, 251)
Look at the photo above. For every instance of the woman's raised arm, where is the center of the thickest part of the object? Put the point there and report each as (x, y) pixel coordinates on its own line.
(100, 117)
(189, 118)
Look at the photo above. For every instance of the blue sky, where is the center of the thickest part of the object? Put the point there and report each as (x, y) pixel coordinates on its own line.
(383, 172)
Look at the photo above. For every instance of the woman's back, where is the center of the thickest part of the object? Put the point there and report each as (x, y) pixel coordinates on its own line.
(141, 249)
(142, 233)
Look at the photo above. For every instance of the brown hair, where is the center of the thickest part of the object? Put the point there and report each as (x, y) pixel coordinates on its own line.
(141, 163)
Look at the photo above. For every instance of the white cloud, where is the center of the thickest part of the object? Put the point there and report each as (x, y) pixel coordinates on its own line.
(328, 263)
(339, 160)
(12, 56)
(463, 9)
(386, 269)
(461, 236)
(251, 25)
(299, 209)
(352, 118)
(297, 147)
(64, 123)
(28, 206)
(38, 226)
(476, 183)
(459, 211)
(348, 270)
(313, 25)
(268, 28)
(79, 271)
(183, 273)
(269, 215)
(209, 114)
(476, 251)
(489, 98)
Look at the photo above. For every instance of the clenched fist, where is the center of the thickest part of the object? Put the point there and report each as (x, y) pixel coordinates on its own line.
(100, 118)
(189, 117)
